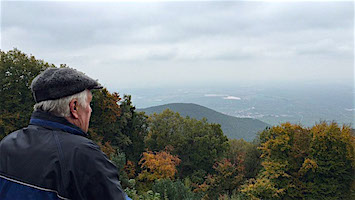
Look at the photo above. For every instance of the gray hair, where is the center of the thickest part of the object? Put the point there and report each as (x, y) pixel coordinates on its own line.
(60, 107)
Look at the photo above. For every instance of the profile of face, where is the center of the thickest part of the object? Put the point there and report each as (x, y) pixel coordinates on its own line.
(84, 112)
(80, 114)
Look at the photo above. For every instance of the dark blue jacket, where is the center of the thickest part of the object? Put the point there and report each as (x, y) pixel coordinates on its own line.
(52, 159)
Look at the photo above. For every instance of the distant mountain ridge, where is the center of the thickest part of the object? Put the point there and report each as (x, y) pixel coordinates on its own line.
(233, 127)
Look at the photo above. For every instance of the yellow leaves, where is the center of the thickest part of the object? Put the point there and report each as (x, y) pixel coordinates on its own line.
(297, 159)
(106, 105)
(331, 132)
(275, 169)
(262, 188)
(332, 138)
(281, 138)
(307, 165)
(158, 165)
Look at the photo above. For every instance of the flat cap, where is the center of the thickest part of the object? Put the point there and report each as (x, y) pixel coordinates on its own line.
(55, 83)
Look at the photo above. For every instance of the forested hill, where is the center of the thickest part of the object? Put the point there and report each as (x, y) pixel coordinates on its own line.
(233, 127)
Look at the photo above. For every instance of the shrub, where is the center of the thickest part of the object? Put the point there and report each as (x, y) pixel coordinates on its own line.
(174, 190)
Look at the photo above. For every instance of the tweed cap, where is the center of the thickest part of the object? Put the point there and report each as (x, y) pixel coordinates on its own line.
(55, 83)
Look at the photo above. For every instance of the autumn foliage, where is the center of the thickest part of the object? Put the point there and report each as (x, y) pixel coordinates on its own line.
(173, 157)
(227, 178)
(304, 163)
(107, 149)
(158, 165)
(130, 169)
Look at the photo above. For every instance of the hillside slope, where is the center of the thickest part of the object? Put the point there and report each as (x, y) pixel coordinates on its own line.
(232, 127)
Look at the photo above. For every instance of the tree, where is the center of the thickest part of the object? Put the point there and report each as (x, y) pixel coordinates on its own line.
(198, 143)
(133, 125)
(248, 152)
(104, 123)
(228, 177)
(174, 190)
(303, 163)
(119, 159)
(115, 125)
(17, 70)
(130, 169)
(115, 120)
(284, 150)
(164, 129)
(158, 165)
(333, 152)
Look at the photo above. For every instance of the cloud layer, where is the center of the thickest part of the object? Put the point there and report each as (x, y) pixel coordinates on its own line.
(157, 43)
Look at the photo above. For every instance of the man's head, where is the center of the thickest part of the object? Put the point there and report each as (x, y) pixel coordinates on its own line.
(66, 93)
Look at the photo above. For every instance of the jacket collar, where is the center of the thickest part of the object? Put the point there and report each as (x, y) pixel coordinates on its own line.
(48, 120)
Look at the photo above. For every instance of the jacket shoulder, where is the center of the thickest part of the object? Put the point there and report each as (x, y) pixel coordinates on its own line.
(94, 175)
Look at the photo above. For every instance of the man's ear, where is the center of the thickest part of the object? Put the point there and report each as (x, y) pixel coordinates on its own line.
(73, 105)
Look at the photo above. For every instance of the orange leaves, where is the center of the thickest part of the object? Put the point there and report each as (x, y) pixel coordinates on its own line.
(107, 149)
(226, 169)
(108, 106)
(158, 165)
(130, 169)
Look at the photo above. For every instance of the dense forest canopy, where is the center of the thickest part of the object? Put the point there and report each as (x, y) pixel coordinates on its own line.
(167, 156)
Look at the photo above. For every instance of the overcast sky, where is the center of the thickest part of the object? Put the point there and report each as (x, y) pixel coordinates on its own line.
(151, 44)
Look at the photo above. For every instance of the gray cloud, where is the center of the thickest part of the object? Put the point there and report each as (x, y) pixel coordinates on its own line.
(242, 38)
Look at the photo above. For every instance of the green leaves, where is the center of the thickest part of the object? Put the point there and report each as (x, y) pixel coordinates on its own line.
(198, 143)
(305, 163)
(174, 190)
(17, 70)
(292, 162)
(332, 150)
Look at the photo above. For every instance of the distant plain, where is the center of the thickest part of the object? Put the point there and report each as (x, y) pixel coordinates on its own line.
(304, 103)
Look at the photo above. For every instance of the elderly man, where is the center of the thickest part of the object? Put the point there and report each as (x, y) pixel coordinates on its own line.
(51, 158)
